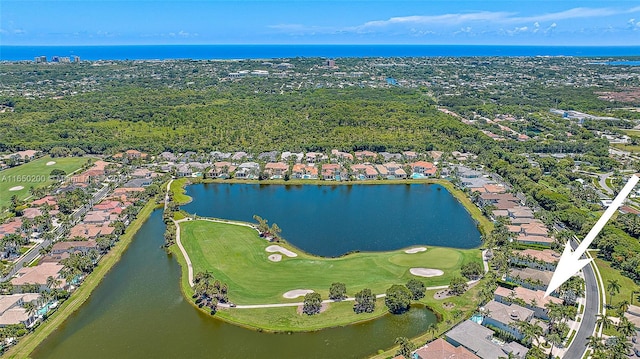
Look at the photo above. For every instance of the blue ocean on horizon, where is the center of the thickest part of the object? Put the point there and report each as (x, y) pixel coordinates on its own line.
(215, 52)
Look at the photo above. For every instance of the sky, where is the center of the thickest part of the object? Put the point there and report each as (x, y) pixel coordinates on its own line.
(478, 22)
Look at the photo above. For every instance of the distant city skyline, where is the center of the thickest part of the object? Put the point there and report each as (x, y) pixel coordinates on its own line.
(492, 22)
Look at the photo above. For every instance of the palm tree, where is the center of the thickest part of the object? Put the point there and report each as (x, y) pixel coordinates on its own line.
(553, 339)
(432, 328)
(613, 287)
(624, 306)
(625, 327)
(604, 321)
(595, 343)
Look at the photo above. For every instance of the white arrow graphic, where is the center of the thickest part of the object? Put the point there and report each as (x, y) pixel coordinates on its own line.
(570, 262)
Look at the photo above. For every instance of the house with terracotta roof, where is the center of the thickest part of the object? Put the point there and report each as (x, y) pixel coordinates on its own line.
(48, 200)
(276, 170)
(441, 349)
(342, 156)
(528, 298)
(11, 227)
(222, 169)
(499, 200)
(534, 229)
(38, 275)
(90, 231)
(333, 172)
(12, 311)
(521, 212)
(364, 171)
(365, 155)
(436, 155)
(31, 213)
(133, 154)
(410, 155)
(74, 246)
(545, 259)
(423, 168)
(304, 171)
(395, 170)
(540, 240)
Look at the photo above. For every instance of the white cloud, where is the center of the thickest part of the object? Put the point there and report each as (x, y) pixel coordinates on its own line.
(493, 17)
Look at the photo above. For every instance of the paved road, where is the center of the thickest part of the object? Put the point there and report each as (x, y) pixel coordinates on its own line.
(591, 310)
(603, 182)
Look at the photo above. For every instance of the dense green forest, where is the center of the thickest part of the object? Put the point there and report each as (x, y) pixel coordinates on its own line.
(182, 120)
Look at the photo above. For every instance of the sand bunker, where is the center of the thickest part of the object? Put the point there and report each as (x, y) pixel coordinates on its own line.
(275, 248)
(51, 163)
(415, 250)
(297, 293)
(16, 188)
(426, 272)
(275, 257)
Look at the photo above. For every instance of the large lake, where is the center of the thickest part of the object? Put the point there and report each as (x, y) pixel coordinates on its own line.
(330, 220)
(138, 311)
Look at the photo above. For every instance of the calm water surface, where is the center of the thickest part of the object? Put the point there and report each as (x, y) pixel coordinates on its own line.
(139, 312)
(331, 220)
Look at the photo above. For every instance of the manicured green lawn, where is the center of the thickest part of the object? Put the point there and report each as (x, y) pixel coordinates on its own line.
(629, 148)
(627, 286)
(34, 174)
(236, 255)
(177, 189)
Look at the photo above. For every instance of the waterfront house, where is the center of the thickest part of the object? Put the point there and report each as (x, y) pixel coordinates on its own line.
(276, 170)
(12, 309)
(74, 246)
(364, 171)
(304, 171)
(222, 169)
(395, 170)
(424, 168)
(332, 172)
(184, 171)
(38, 275)
(248, 170)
